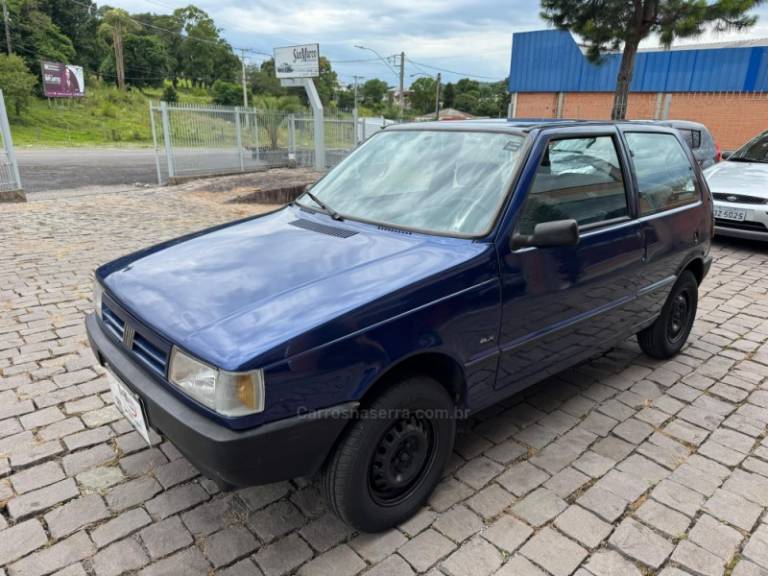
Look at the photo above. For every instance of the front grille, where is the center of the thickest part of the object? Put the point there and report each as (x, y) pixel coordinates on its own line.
(752, 226)
(136, 340)
(113, 322)
(739, 198)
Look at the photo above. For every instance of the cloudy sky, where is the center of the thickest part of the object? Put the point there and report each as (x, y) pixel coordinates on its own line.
(468, 37)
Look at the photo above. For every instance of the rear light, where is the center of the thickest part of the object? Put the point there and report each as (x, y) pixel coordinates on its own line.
(718, 153)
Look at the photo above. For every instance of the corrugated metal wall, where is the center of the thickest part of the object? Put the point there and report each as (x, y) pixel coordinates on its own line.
(551, 61)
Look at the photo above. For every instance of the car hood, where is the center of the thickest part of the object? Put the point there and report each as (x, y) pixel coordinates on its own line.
(233, 293)
(746, 178)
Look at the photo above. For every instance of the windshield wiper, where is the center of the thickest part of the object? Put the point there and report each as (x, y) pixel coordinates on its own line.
(328, 210)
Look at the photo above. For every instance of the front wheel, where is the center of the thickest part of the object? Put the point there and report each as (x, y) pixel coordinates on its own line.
(392, 456)
(668, 334)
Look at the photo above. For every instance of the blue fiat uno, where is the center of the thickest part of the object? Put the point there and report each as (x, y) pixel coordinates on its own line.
(438, 269)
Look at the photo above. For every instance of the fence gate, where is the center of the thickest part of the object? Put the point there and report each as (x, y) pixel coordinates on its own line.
(199, 140)
(10, 182)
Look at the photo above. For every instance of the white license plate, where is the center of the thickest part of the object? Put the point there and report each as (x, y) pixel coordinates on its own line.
(737, 214)
(128, 403)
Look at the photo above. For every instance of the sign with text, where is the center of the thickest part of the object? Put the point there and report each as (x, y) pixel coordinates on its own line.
(63, 80)
(297, 61)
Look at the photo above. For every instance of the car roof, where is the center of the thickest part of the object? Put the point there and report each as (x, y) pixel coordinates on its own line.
(511, 124)
(678, 124)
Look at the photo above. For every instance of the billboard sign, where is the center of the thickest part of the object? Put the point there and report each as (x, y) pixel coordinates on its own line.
(297, 61)
(63, 80)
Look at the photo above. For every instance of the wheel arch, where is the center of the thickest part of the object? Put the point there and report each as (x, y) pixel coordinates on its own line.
(696, 266)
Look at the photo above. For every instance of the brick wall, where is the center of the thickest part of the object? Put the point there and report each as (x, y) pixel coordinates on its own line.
(732, 118)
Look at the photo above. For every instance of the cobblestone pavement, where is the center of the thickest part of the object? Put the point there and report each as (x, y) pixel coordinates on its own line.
(624, 466)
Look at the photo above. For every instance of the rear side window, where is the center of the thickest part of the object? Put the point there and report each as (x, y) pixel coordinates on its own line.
(692, 138)
(578, 178)
(665, 176)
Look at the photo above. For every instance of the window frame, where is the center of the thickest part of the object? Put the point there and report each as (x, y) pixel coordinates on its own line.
(626, 176)
(687, 152)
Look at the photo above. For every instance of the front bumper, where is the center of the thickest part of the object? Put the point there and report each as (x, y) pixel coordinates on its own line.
(754, 227)
(280, 450)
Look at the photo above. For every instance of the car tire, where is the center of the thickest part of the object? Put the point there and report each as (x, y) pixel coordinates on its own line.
(392, 456)
(668, 334)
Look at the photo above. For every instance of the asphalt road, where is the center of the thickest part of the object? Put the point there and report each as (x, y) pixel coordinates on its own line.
(69, 168)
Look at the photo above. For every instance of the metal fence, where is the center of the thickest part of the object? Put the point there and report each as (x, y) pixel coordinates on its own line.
(10, 182)
(196, 140)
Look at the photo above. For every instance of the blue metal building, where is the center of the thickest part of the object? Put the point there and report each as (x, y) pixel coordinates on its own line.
(552, 61)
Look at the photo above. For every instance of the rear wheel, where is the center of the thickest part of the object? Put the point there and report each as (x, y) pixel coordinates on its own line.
(392, 456)
(668, 334)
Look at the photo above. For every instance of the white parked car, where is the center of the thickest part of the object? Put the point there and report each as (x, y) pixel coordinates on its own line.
(739, 188)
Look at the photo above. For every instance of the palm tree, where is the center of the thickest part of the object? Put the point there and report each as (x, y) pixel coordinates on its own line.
(115, 23)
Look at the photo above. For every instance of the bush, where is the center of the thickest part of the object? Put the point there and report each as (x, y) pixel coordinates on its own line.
(227, 93)
(170, 95)
(16, 82)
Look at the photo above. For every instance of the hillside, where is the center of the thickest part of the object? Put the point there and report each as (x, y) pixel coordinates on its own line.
(105, 117)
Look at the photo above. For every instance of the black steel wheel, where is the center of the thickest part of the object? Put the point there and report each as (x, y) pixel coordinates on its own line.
(668, 334)
(392, 456)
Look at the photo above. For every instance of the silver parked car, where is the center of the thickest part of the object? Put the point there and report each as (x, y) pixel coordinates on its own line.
(700, 140)
(740, 190)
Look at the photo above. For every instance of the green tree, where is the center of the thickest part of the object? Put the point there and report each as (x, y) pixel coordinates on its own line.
(423, 91)
(115, 24)
(206, 57)
(227, 93)
(618, 24)
(263, 80)
(327, 82)
(272, 122)
(77, 20)
(373, 92)
(145, 61)
(16, 82)
(36, 36)
(448, 95)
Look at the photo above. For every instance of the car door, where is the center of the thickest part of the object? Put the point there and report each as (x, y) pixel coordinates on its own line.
(669, 209)
(560, 304)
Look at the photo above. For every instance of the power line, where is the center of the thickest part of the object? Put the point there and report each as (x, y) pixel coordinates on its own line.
(453, 71)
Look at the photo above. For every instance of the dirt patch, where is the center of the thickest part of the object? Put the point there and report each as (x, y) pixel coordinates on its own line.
(276, 186)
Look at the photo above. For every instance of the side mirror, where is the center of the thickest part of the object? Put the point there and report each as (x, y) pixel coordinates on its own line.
(555, 233)
(725, 155)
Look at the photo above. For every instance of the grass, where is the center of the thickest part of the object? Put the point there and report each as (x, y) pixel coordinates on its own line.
(105, 117)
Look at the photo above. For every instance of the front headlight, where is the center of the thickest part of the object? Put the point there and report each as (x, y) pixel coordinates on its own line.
(97, 293)
(228, 393)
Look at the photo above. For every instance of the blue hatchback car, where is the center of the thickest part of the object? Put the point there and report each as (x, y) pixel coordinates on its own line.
(438, 269)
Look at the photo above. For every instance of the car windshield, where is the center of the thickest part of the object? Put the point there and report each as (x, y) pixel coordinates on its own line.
(756, 150)
(441, 181)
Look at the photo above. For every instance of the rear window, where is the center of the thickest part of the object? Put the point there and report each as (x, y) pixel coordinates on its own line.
(665, 176)
(692, 138)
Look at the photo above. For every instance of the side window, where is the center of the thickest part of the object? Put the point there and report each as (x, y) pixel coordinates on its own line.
(665, 176)
(578, 178)
(692, 138)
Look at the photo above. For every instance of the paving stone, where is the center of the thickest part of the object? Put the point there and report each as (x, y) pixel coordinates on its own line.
(175, 472)
(478, 472)
(752, 486)
(426, 549)
(143, 462)
(622, 484)
(100, 478)
(506, 452)
(165, 537)
(756, 548)
(633, 431)
(593, 464)
(60, 555)
(507, 533)
(20, 540)
(720, 453)
(459, 523)
(715, 537)
(228, 545)
(38, 500)
(521, 478)
(613, 448)
(189, 562)
(120, 527)
(747, 568)
(583, 526)
(566, 482)
(539, 507)
(176, 500)
(119, 558)
(377, 547)
(448, 493)
(392, 566)
(519, 566)
(605, 504)
(245, 567)
(641, 543)
(686, 432)
(325, 532)
(642, 468)
(475, 558)
(490, 501)
(76, 514)
(132, 493)
(85, 459)
(555, 553)
(554, 457)
(418, 522)
(664, 519)
(733, 509)
(275, 520)
(88, 438)
(678, 497)
(610, 563)
(212, 516)
(599, 424)
(698, 560)
(36, 477)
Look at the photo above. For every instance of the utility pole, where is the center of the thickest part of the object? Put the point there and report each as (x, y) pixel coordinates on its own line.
(437, 97)
(402, 78)
(356, 78)
(7, 28)
(244, 78)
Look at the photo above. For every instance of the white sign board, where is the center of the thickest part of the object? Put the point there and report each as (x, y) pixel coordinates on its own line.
(298, 61)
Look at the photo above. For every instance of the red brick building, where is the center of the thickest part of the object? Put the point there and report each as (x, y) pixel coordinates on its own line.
(724, 86)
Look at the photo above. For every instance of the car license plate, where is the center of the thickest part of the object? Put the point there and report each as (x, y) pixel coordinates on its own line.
(129, 404)
(737, 214)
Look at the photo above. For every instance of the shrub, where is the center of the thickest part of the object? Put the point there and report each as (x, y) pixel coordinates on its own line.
(170, 95)
(16, 82)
